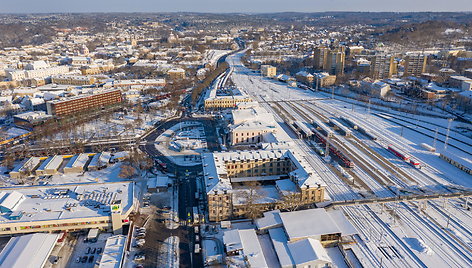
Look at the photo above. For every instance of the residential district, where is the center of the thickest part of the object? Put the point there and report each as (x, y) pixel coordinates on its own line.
(236, 140)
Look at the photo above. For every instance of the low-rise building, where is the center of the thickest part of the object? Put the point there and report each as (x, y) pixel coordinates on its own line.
(77, 80)
(305, 77)
(249, 126)
(68, 207)
(460, 82)
(176, 74)
(31, 250)
(324, 80)
(113, 255)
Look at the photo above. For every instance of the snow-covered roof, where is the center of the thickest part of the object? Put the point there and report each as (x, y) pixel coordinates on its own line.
(308, 223)
(45, 203)
(28, 251)
(11, 200)
(246, 240)
(113, 252)
(271, 219)
(308, 250)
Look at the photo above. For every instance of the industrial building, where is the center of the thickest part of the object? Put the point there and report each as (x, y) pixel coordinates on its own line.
(297, 239)
(28, 251)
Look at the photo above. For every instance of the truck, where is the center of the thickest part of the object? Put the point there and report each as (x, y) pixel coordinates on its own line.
(92, 235)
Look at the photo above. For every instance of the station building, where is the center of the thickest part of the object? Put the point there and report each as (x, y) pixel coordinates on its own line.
(266, 177)
(251, 126)
(224, 98)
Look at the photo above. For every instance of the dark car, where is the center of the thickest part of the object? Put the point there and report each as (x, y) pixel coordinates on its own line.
(93, 251)
(99, 250)
(88, 250)
(90, 259)
(84, 259)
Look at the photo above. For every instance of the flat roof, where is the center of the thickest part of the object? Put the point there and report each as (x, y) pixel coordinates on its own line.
(69, 201)
(308, 223)
(28, 251)
(113, 252)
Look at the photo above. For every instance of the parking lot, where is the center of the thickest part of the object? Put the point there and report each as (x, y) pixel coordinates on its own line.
(87, 254)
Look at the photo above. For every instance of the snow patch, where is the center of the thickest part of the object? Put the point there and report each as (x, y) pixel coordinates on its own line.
(419, 245)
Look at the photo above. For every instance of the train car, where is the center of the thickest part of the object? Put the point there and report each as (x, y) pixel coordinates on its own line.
(398, 153)
(317, 148)
(415, 163)
(457, 161)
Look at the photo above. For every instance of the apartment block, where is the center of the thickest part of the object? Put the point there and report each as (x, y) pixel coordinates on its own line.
(84, 102)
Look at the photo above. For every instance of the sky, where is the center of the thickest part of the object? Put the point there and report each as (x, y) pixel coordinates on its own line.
(224, 6)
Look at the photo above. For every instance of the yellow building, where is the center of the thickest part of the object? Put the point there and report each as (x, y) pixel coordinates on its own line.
(215, 100)
(77, 80)
(324, 80)
(415, 64)
(176, 73)
(382, 66)
(270, 175)
(268, 70)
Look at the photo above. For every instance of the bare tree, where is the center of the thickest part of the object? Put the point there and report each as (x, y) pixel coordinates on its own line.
(291, 202)
(249, 198)
(127, 172)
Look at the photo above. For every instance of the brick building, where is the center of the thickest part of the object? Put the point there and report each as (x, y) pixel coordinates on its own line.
(84, 102)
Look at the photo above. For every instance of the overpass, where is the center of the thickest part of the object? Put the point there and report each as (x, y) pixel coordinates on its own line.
(404, 198)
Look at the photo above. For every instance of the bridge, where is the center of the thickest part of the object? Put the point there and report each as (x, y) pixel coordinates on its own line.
(404, 198)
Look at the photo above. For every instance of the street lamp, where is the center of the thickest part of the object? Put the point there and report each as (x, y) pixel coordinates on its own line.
(447, 132)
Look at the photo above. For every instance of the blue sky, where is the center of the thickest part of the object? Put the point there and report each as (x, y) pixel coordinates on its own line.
(258, 6)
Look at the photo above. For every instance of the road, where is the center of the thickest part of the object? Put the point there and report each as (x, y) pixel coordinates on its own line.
(187, 179)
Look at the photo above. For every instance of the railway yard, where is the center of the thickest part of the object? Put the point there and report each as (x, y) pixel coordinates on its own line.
(410, 206)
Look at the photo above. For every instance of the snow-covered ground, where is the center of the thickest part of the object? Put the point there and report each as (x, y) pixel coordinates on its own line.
(412, 234)
(183, 143)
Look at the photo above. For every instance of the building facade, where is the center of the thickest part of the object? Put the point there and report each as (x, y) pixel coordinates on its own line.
(268, 70)
(82, 103)
(230, 175)
(382, 66)
(415, 64)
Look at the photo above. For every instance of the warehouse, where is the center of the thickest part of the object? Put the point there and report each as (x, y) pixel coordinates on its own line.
(25, 168)
(28, 251)
(50, 166)
(99, 161)
(76, 164)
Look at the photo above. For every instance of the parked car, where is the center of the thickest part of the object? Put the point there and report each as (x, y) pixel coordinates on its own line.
(78, 259)
(88, 250)
(99, 250)
(84, 259)
(139, 257)
(90, 258)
